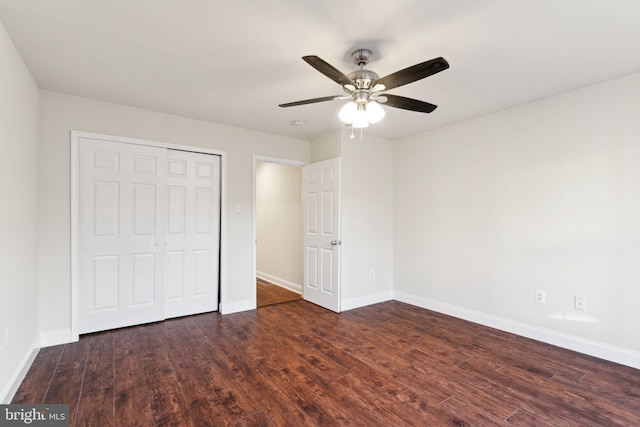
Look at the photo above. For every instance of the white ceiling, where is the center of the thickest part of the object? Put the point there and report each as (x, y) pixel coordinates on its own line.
(233, 62)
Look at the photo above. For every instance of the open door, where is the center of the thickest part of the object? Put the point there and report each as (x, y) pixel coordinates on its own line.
(321, 261)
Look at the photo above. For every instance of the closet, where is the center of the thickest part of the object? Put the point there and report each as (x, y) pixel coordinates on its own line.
(149, 233)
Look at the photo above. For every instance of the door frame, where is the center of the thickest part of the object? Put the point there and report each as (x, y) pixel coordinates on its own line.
(254, 230)
(75, 211)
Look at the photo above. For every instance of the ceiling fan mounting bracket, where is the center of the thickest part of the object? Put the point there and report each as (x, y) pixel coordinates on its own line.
(361, 57)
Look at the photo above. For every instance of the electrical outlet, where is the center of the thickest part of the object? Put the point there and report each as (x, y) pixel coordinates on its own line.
(540, 296)
(372, 273)
(580, 303)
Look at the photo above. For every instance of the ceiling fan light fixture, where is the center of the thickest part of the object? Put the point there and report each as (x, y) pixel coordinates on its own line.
(375, 112)
(361, 114)
(361, 118)
(348, 112)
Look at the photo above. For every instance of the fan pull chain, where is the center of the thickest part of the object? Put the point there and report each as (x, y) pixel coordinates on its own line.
(352, 136)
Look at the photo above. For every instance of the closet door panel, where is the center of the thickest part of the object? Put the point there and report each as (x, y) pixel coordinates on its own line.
(194, 230)
(121, 254)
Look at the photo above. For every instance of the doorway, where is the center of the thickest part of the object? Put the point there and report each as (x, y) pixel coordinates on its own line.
(278, 230)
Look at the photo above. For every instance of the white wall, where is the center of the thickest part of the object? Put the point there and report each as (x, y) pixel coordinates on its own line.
(542, 196)
(367, 220)
(18, 215)
(366, 215)
(279, 224)
(326, 147)
(61, 113)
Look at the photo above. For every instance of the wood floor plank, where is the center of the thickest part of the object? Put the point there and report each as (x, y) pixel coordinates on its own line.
(396, 340)
(42, 369)
(96, 406)
(216, 401)
(523, 418)
(530, 355)
(269, 294)
(379, 400)
(67, 382)
(352, 364)
(213, 398)
(349, 404)
(259, 419)
(296, 364)
(395, 367)
(431, 415)
(282, 411)
(270, 398)
(291, 382)
(426, 320)
(475, 415)
(203, 399)
(168, 405)
(450, 378)
(309, 356)
(585, 408)
(243, 337)
(621, 392)
(132, 402)
(505, 388)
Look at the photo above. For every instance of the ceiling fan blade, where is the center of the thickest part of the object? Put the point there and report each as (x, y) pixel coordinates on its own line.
(328, 70)
(413, 73)
(310, 101)
(408, 103)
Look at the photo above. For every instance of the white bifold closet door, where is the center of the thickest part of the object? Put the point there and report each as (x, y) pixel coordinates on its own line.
(149, 233)
(192, 233)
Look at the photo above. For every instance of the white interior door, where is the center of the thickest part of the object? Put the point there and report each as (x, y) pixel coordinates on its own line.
(121, 234)
(192, 233)
(321, 203)
(149, 233)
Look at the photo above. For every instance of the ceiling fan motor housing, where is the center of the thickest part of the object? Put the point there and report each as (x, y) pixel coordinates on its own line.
(363, 79)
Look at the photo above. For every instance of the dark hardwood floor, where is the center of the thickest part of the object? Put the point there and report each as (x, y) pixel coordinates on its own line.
(296, 364)
(269, 294)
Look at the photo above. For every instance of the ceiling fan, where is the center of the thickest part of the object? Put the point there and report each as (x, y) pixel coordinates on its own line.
(365, 88)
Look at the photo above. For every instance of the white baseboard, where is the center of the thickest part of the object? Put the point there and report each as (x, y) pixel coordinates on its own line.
(51, 338)
(236, 307)
(592, 348)
(353, 303)
(295, 287)
(21, 371)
